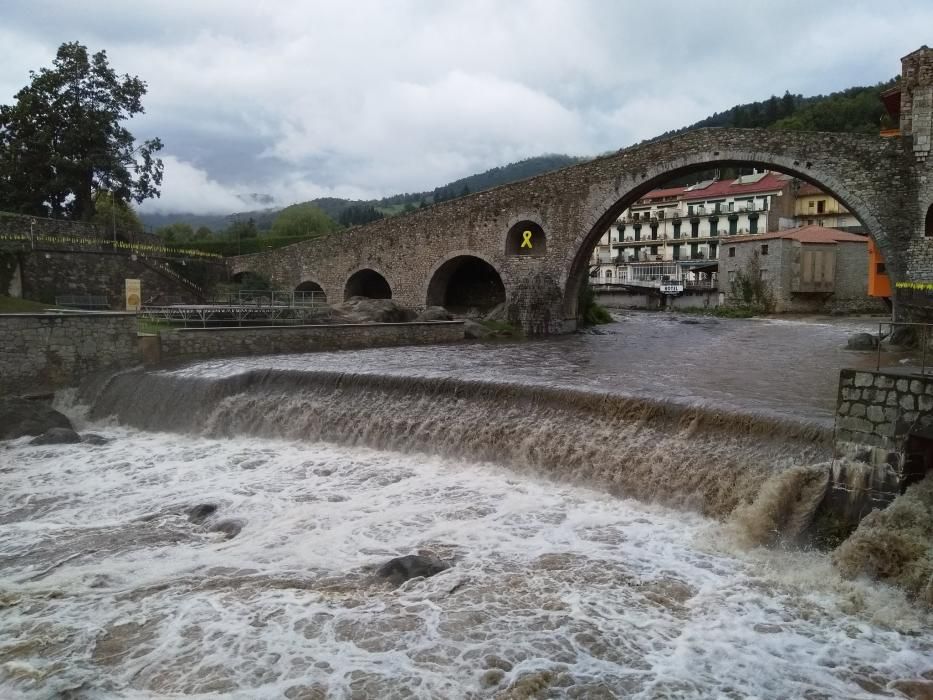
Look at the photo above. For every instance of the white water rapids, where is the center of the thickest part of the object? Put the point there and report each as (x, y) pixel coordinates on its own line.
(556, 589)
(108, 591)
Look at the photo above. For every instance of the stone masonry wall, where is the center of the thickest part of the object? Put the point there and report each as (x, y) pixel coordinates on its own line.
(875, 413)
(197, 343)
(45, 275)
(39, 352)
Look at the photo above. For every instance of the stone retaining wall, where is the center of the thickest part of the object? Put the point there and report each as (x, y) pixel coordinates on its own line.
(197, 343)
(876, 412)
(40, 352)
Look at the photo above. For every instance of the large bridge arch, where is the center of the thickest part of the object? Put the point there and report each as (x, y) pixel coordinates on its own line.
(608, 202)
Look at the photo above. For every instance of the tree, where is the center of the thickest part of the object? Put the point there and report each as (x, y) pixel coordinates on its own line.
(359, 214)
(302, 220)
(115, 216)
(176, 233)
(62, 142)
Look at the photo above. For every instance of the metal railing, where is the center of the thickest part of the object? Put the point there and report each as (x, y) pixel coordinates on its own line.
(922, 335)
(85, 301)
(270, 297)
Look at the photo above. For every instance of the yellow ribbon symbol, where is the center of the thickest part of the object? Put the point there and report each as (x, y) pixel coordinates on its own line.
(526, 239)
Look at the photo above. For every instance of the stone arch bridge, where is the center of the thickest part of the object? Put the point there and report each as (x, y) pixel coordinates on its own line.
(477, 247)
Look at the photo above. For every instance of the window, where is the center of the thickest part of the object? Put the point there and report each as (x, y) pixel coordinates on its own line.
(821, 206)
(690, 209)
(881, 269)
(732, 275)
(764, 249)
(928, 227)
(676, 229)
(732, 252)
(694, 229)
(762, 274)
(811, 204)
(731, 206)
(608, 274)
(654, 250)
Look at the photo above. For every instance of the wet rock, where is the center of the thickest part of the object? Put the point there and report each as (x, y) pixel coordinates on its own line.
(497, 313)
(201, 512)
(475, 331)
(435, 313)
(365, 310)
(20, 417)
(914, 689)
(862, 341)
(94, 439)
(410, 566)
(492, 678)
(228, 528)
(56, 436)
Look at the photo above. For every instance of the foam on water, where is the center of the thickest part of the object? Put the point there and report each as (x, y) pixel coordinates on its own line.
(108, 590)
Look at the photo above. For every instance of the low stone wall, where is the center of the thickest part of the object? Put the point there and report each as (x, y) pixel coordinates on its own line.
(197, 343)
(876, 413)
(40, 352)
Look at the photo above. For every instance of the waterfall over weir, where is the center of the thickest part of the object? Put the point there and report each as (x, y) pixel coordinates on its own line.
(686, 456)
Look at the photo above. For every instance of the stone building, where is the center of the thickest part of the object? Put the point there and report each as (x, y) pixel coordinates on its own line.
(811, 269)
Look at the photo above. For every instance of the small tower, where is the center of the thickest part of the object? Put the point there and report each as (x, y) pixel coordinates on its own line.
(916, 88)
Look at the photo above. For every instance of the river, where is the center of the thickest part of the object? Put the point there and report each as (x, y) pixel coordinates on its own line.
(514, 462)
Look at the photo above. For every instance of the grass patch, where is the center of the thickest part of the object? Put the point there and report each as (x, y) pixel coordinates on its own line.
(15, 305)
(503, 328)
(146, 325)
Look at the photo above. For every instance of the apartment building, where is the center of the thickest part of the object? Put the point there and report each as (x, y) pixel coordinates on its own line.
(690, 223)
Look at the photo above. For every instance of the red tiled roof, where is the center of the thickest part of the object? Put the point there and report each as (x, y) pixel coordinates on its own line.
(806, 189)
(721, 188)
(804, 234)
(727, 188)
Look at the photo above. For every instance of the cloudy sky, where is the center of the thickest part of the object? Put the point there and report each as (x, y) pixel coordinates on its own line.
(360, 99)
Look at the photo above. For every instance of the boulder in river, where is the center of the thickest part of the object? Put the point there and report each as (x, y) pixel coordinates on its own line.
(201, 512)
(20, 417)
(94, 439)
(56, 436)
(435, 313)
(475, 331)
(366, 310)
(229, 528)
(410, 566)
(862, 341)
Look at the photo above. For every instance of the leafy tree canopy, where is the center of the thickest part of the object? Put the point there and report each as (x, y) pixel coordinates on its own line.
(63, 141)
(116, 216)
(302, 220)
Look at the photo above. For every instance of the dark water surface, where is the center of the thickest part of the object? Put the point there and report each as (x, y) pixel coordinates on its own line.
(784, 367)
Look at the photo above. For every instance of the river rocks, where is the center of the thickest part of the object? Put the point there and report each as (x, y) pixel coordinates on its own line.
(94, 439)
(56, 436)
(201, 512)
(914, 689)
(20, 417)
(410, 566)
(435, 313)
(475, 331)
(365, 310)
(497, 313)
(228, 528)
(862, 341)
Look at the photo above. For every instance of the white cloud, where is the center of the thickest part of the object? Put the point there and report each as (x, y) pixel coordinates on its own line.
(295, 99)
